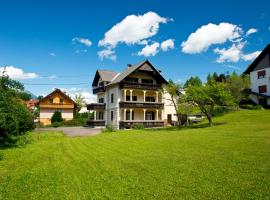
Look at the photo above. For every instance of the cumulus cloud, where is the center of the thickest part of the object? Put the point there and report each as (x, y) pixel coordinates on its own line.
(17, 73)
(107, 53)
(83, 41)
(167, 44)
(251, 31)
(251, 56)
(52, 54)
(235, 54)
(149, 50)
(210, 34)
(232, 54)
(72, 92)
(133, 29)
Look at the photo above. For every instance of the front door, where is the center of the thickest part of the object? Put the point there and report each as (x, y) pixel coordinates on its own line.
(169, 118)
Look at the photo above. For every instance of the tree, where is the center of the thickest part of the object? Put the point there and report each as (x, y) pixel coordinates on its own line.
(56, 117)
(193, 81)
(80, 101)
(173, 90)
(207, 96)
(238, 85)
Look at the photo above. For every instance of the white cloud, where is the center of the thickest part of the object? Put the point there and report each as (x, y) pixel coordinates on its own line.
(251, 56)
(149, 50)
(232, 54)
(251, 31)
(17, 73)
(133, 29)
(107, 53)
(83, 41)
(167, 44)
(210, 34)
(79, 51)
(72, 92)
(269, 28)
(52, 54)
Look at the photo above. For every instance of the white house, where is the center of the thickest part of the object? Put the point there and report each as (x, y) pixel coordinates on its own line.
(259, 72)
(132, 97)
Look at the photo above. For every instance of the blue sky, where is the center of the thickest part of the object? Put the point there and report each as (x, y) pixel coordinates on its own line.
(56, 43)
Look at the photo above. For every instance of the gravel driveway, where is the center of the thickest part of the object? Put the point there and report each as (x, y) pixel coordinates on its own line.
(75, 131)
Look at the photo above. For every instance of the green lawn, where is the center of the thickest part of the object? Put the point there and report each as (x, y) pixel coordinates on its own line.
(228, 161)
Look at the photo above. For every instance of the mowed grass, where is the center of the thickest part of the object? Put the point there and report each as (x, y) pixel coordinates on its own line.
(228, 161)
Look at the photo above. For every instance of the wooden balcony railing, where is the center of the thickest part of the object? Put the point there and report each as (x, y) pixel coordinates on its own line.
(144, 86)
(98, 89)
(95, 106)
(145, 123)
(136, 104)
(56, 105)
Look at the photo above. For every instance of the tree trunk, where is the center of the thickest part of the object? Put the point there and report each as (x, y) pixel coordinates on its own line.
(209, 117)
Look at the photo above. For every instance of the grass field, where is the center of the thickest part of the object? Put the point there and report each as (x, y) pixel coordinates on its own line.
(228, 161)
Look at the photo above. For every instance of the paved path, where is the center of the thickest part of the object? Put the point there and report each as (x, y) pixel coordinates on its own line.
(75, 131)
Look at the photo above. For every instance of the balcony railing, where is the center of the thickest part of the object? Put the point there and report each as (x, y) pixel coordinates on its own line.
(98, 89)
(144, 86)
(56, 105)
(145, 123)
(136, 104)
(95, 106)
(93, 123)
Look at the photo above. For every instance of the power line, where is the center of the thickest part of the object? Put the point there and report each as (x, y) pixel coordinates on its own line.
(57, 83)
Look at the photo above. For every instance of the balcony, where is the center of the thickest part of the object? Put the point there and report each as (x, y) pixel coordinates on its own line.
(95, 106)
(94, 123)
(146, 123)
(136, 104)
(56, 105)
(143, 86)
(98, 89)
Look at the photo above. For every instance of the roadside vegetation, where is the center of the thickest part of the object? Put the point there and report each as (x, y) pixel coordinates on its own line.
(227, 161)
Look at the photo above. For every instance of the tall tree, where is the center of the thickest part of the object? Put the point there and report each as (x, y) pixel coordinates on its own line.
(80, 101)
(193, 81)
(207, 96)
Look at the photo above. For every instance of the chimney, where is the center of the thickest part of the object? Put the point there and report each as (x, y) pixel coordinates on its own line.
(129, 65)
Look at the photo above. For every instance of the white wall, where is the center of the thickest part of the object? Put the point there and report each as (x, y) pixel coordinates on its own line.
(168, 107)
(255, 82)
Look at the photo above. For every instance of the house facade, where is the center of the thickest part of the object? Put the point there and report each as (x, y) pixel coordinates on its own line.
(132, 97)
(56, 101)
(259, 72)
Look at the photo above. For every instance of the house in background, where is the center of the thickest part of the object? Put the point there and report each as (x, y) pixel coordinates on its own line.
(259, 72)
(56, 101)
(131, 97)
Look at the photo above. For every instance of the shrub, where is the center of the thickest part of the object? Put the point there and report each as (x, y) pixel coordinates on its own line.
(57, 117)
(109, 128)
(251, 107)
(56, 124)
(76, 122)
(138, 126)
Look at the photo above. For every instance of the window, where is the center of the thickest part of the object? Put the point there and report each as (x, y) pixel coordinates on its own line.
(150, 99)
(134, 98)
(100, 115)
(261, 74)
(111, 115)
(132, 80)
(61, 101)
(128, 115)
(101, 100)
(150, 115)
(112, 98)
(51, 100)
(147, 81)
(262, 89)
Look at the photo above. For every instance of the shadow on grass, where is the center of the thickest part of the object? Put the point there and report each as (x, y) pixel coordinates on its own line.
(205, 125)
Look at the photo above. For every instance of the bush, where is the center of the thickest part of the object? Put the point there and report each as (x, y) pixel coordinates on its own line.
(251, 107)
(76, 122)
(109, 128)
(221, 110)
(56, 124)
(138, 126)
(57, 117)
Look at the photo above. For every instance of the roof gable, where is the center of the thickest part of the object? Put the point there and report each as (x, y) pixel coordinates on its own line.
(265, 53)
(60, 93)
(142, 66)
(104, 75)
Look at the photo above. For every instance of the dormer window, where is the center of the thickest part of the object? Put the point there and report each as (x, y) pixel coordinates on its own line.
(51, 100)
(261, 74)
